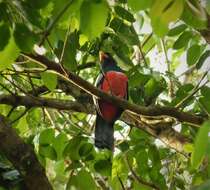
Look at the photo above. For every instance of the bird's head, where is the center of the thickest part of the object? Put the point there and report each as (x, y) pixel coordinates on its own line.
(106, 60)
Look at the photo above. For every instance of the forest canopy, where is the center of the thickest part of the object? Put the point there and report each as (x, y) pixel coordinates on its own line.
(49, 62)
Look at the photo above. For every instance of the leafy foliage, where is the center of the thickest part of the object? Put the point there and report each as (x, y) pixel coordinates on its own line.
(154, 42)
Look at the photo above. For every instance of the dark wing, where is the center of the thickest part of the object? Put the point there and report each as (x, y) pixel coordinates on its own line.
(98, 83)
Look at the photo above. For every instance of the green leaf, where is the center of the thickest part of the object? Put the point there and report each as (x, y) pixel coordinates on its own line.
(50, 80)
(138, 186)
(5, 35)
(59, 144)
(138, 79)
(38, 4)
(3, 12)
(137, 95)
(207, 7)
(154, 156)
(204, 101)
(203, 186)
(194, 16)
(205, 91)
(104, 167)
(202, 59)
(24, 38)
(142, 161)
(33, 17)
(46, 137)
(183, 40)
(124, 146)
(22, 126)
(93, 16)
(149, 44)
(193, 54)
(164, 12)
(123, 13)
(125, 32)
(72, 148)
(9, 54)
(137, 5)
(153, 88)
(47, 151)
(177, 30)
(200, 144)
(119, 167)
(33, 118)
(83, 180)
(69, 57)
(85, 149)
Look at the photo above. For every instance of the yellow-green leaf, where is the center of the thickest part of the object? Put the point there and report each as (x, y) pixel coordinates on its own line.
(138, 5)
(163, 12)
(93, 16)
(50, 80)
(9, 54)
(201, 143)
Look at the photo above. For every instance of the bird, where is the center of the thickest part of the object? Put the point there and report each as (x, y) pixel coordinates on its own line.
(114, 81)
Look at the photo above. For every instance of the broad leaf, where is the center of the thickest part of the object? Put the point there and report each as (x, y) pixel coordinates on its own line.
(164, 12)
(193, 54)
(5, 35)
(50, 80)
(183, 40)
(194, 16)
(47, 151)
(137, 5)
(9, 54)
(93, 16)
(83, 180)
(200, 144)
(202, 59)
(46, 137)
(177, 30)
(24, 38)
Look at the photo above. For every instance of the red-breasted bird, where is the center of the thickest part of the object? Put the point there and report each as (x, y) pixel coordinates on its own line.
(113, 81)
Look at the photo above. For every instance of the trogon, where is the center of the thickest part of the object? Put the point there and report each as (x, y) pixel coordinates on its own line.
(111, 80)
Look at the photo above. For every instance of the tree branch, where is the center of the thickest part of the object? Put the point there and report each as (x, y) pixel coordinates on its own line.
(32, 101)
(165, 133)
(133, 108)
(22, 156)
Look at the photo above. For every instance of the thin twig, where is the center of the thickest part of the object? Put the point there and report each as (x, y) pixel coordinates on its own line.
(171, 84)
(146, 40)
(121, 182)
(142, 53)
(63, 51)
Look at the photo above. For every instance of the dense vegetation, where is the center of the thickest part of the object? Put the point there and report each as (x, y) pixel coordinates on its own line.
(48, 64)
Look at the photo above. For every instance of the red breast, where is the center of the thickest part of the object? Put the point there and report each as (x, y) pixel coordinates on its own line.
(114, 83)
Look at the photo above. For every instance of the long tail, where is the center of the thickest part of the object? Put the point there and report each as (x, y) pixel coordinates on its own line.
(104, 134)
